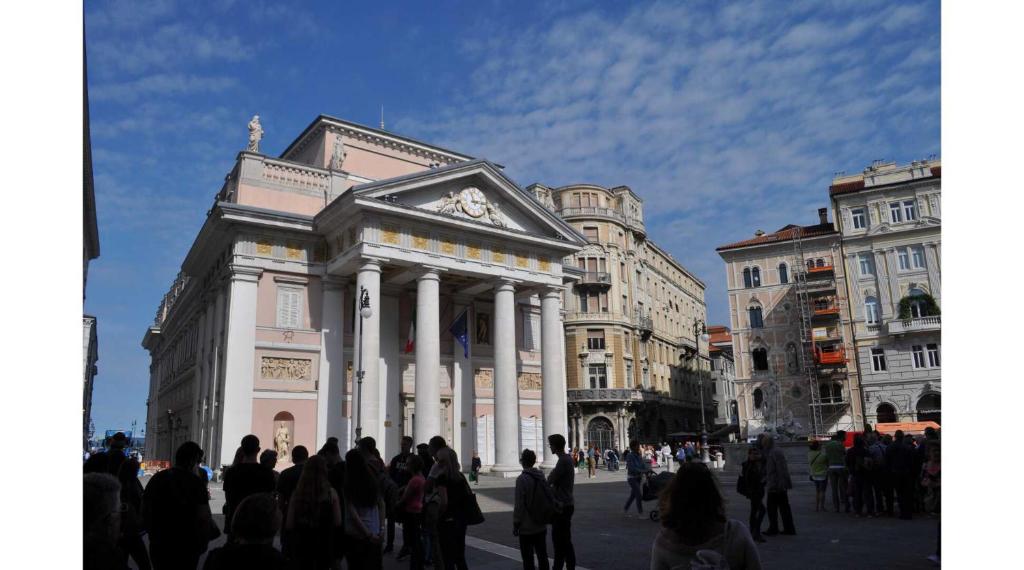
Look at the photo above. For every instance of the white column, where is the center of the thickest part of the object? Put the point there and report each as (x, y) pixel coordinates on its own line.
(427, 422)
(506, 384)
(331, 384)
(464, 396)
(239, 361)
(215, 386)
(367, 402)
(552, 370)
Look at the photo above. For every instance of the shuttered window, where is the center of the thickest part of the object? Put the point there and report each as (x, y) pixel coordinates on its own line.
(289, 307)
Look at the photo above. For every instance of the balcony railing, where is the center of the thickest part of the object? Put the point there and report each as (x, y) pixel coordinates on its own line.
(603, 394)
(596, 278)
(827, 357)
(920, 324)
(644, 323)
(592, 211)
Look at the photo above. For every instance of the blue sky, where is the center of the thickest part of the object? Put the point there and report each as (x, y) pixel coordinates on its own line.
(726, 117)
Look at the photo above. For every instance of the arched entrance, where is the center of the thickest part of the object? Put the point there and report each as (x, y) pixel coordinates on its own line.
(886, 414)
(600, 433)
(929, 408)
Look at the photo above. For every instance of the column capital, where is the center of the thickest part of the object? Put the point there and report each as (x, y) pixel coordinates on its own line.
(505, 284)
(430, 273)
(245, 272)
(371, 264)
(552, 291)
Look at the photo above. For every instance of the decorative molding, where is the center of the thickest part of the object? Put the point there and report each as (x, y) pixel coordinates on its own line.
(291, 279)
(277, 368)
(473, 251)
(287, 346)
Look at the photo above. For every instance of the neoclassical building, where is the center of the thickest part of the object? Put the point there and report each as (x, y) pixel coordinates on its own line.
(791, 331)
(635, 367)
(365, 283)
(890, 217)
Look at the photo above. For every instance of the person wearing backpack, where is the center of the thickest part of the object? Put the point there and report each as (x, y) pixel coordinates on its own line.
(533, 510)
(695, 533)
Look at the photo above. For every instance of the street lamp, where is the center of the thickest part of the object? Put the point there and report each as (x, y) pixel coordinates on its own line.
(365, 312)
(700, 333)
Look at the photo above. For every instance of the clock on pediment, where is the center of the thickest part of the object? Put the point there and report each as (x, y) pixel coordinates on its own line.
(473, 201)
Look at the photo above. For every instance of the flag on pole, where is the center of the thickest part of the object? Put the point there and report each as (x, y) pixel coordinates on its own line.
(460, 330)
(410, 341)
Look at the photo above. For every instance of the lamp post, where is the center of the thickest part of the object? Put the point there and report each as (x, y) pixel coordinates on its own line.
(700, 333)
(365, 312)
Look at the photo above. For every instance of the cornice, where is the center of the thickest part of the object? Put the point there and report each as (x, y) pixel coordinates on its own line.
(374, 136)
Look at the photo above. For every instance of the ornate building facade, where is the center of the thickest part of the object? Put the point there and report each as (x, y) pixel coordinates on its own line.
(791, 332)
(635, 367)
(723, 376)
(364, 283)
(890, 220)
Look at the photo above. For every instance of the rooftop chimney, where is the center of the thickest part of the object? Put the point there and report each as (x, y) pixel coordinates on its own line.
(823, 215)
(759, 233)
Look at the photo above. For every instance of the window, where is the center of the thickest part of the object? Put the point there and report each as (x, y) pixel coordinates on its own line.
(792, 359)
(758, 398)
(810, 264)
(819, 262)
(590, 234)
(598, 377)
(910, 210)
(860, 220)
(871, 310)
(760, 356)
(756, 320)
(878, 360)
(783, 273)
(917, 256)
(918, 351)
(746, 278)
(289, 307)
(917, 307)
(933, 355)
(904, 257)
(867, 266)
(583, 303)
(595, 339)
(895, 213)
(755, 274)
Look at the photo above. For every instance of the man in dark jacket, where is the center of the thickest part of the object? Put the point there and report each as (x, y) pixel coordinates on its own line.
(899, 460)
(562, 478)
(753, 489)
(286, 483)
(527, 523)
(246, 478)
(399, 475)
(777, 484)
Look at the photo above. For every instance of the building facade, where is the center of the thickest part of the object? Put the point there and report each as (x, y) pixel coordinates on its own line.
(635, 368)
(90, 251)
(723, 376)
(791, 332)
(890, 220)
(364, 283)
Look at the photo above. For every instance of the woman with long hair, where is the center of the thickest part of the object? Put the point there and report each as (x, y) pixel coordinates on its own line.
(455, 493)
(364, 514)
(314, 511)
(131, 517)
(694, 527)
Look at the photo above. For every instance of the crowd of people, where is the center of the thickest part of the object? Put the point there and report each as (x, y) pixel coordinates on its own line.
(591, 458)
(326, 507)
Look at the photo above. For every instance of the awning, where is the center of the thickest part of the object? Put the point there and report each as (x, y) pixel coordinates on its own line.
(909, 428)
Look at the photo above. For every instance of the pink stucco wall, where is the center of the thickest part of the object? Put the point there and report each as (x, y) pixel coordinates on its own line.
(304, 411)
(266, 309)
(280, 200)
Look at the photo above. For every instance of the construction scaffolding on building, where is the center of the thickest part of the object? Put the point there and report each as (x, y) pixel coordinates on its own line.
(822, 352)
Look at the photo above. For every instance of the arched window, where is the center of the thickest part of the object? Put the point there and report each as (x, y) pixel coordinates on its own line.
(760, 356)
(886, 414)
(755, 316)
(871, 310)
(820, 262)
(917, 307)
(810, 264)
(746, 278)
(929, 408)
(755, 275)
(758, 398)
(783, 273)
(792, 359)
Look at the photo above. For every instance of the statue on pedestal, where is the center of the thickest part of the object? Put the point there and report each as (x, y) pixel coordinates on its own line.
(281, 440)
(255, 134)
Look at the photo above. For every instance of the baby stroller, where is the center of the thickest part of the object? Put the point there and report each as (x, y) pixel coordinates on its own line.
(653, 486)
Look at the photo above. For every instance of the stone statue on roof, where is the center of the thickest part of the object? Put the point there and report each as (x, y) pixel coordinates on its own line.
(338, 154)
(255, 134)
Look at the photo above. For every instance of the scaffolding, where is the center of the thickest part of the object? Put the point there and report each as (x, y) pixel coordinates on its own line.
(822, 353)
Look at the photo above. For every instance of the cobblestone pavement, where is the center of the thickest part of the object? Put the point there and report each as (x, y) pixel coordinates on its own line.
(605, 538)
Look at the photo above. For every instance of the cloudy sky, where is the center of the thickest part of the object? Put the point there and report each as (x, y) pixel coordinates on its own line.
(726, 117)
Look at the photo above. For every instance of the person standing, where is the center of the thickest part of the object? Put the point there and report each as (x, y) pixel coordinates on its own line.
(753, 489)
(176, 510)
(245, 478)
(876, 471)
(455, 493)
(666, 456)
(474, 468)
(286, 483)
(817, 463)
(899, 458)
(257, 521)
(132, 528)
(858, 462)
(835, 452)
(636, 466)
(314, 512)
(399, 475)
(527, 516)
(101, 510)
(777, 485)
(562, 478)
(364, 514)
(268, 459)
(410, 504)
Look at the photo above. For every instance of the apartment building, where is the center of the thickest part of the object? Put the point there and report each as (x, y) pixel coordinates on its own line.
(723, 376)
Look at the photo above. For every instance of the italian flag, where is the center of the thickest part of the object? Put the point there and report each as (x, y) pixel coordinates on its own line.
(410, 341)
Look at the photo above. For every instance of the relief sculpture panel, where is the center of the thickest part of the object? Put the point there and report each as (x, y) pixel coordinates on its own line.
(274, 368)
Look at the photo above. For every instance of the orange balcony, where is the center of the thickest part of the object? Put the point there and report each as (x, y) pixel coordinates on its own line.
(823, 310)
(830, 355)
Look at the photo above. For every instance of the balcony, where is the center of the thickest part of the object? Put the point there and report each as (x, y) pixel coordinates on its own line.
(824, 308)
(591, 212)
(918, 325)
(601, 279)
(645, 324)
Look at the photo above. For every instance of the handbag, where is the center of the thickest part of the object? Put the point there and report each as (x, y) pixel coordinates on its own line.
(473, 514)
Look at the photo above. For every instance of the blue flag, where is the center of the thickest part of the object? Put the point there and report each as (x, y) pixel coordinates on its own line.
(460, 330)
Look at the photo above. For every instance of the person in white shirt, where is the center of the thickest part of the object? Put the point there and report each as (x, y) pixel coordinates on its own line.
(666, 456)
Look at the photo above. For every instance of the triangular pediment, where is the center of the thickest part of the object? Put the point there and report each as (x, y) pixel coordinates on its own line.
(475, 191)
